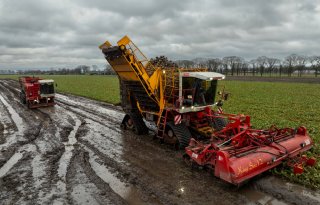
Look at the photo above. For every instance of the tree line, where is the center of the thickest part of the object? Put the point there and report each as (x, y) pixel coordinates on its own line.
(293, 64)
(261, 66)
(78, 70)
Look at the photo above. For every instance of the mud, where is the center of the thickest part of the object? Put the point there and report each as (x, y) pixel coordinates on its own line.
(76, 153)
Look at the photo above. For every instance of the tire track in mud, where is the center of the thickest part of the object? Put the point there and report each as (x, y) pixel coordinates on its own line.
(121, 176)
(127, 192)
(65, 158)
(84, 188)
(105, 118)
(64, 184)
(89, 115)
(104, 187)
(17, 120)
(34, 131)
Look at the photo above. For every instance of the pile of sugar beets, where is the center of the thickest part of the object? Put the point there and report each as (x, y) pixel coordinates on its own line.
(163, 62)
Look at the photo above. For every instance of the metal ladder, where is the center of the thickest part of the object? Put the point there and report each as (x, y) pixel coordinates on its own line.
(162, 124)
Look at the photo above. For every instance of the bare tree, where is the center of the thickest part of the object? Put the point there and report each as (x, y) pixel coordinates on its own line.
(232, 62)
(94, 67)
(185, 63)
(315, 64)
(254, 66)
(301, 64)
(214, 64)
(271, 63)
(318, 65)
(244, 67)
(291, 62)
(108, 70)
(262, 63)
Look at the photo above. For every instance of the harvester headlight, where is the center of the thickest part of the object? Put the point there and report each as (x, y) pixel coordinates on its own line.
(192, 107)
(182, 107)
(48, 98)
(164, 72)
(211, 78)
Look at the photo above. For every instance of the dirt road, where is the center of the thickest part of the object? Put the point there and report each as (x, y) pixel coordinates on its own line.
(76, 153)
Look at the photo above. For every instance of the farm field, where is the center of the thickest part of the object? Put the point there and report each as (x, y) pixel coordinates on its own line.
(268, 103)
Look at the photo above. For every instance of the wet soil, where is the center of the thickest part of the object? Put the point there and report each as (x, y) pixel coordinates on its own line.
(76, 153)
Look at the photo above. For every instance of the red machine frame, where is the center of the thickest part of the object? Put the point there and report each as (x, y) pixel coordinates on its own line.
(238, 152)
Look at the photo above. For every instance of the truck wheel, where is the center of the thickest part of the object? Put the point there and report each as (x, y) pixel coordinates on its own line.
(28, 104)
(23, 98)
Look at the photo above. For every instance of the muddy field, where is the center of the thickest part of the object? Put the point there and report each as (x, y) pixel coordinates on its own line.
(76, 153)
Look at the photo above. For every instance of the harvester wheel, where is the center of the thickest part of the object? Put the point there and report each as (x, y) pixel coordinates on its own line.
(170, 137)
(181, 133)
(219, 123)
(134, 122)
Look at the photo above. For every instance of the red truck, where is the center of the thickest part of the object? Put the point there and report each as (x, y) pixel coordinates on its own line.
(36, 92)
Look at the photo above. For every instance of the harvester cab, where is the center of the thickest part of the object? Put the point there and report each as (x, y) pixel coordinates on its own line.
(36, 92)
(198, 90)
(183, 104)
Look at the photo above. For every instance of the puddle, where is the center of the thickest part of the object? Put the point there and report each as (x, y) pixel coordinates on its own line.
(257, 197)
(14, 115)
(10, 163)
(128, 193)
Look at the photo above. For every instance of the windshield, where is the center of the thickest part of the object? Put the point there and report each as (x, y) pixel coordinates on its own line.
(197, 92)
(46, 88)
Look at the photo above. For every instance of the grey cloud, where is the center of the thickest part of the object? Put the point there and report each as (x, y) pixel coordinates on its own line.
(52, 33)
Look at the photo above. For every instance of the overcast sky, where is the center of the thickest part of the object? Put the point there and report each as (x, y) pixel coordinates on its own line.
(57, 33)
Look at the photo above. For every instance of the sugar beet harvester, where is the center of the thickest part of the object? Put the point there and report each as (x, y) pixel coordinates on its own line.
(182, 103)
(36, 92)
